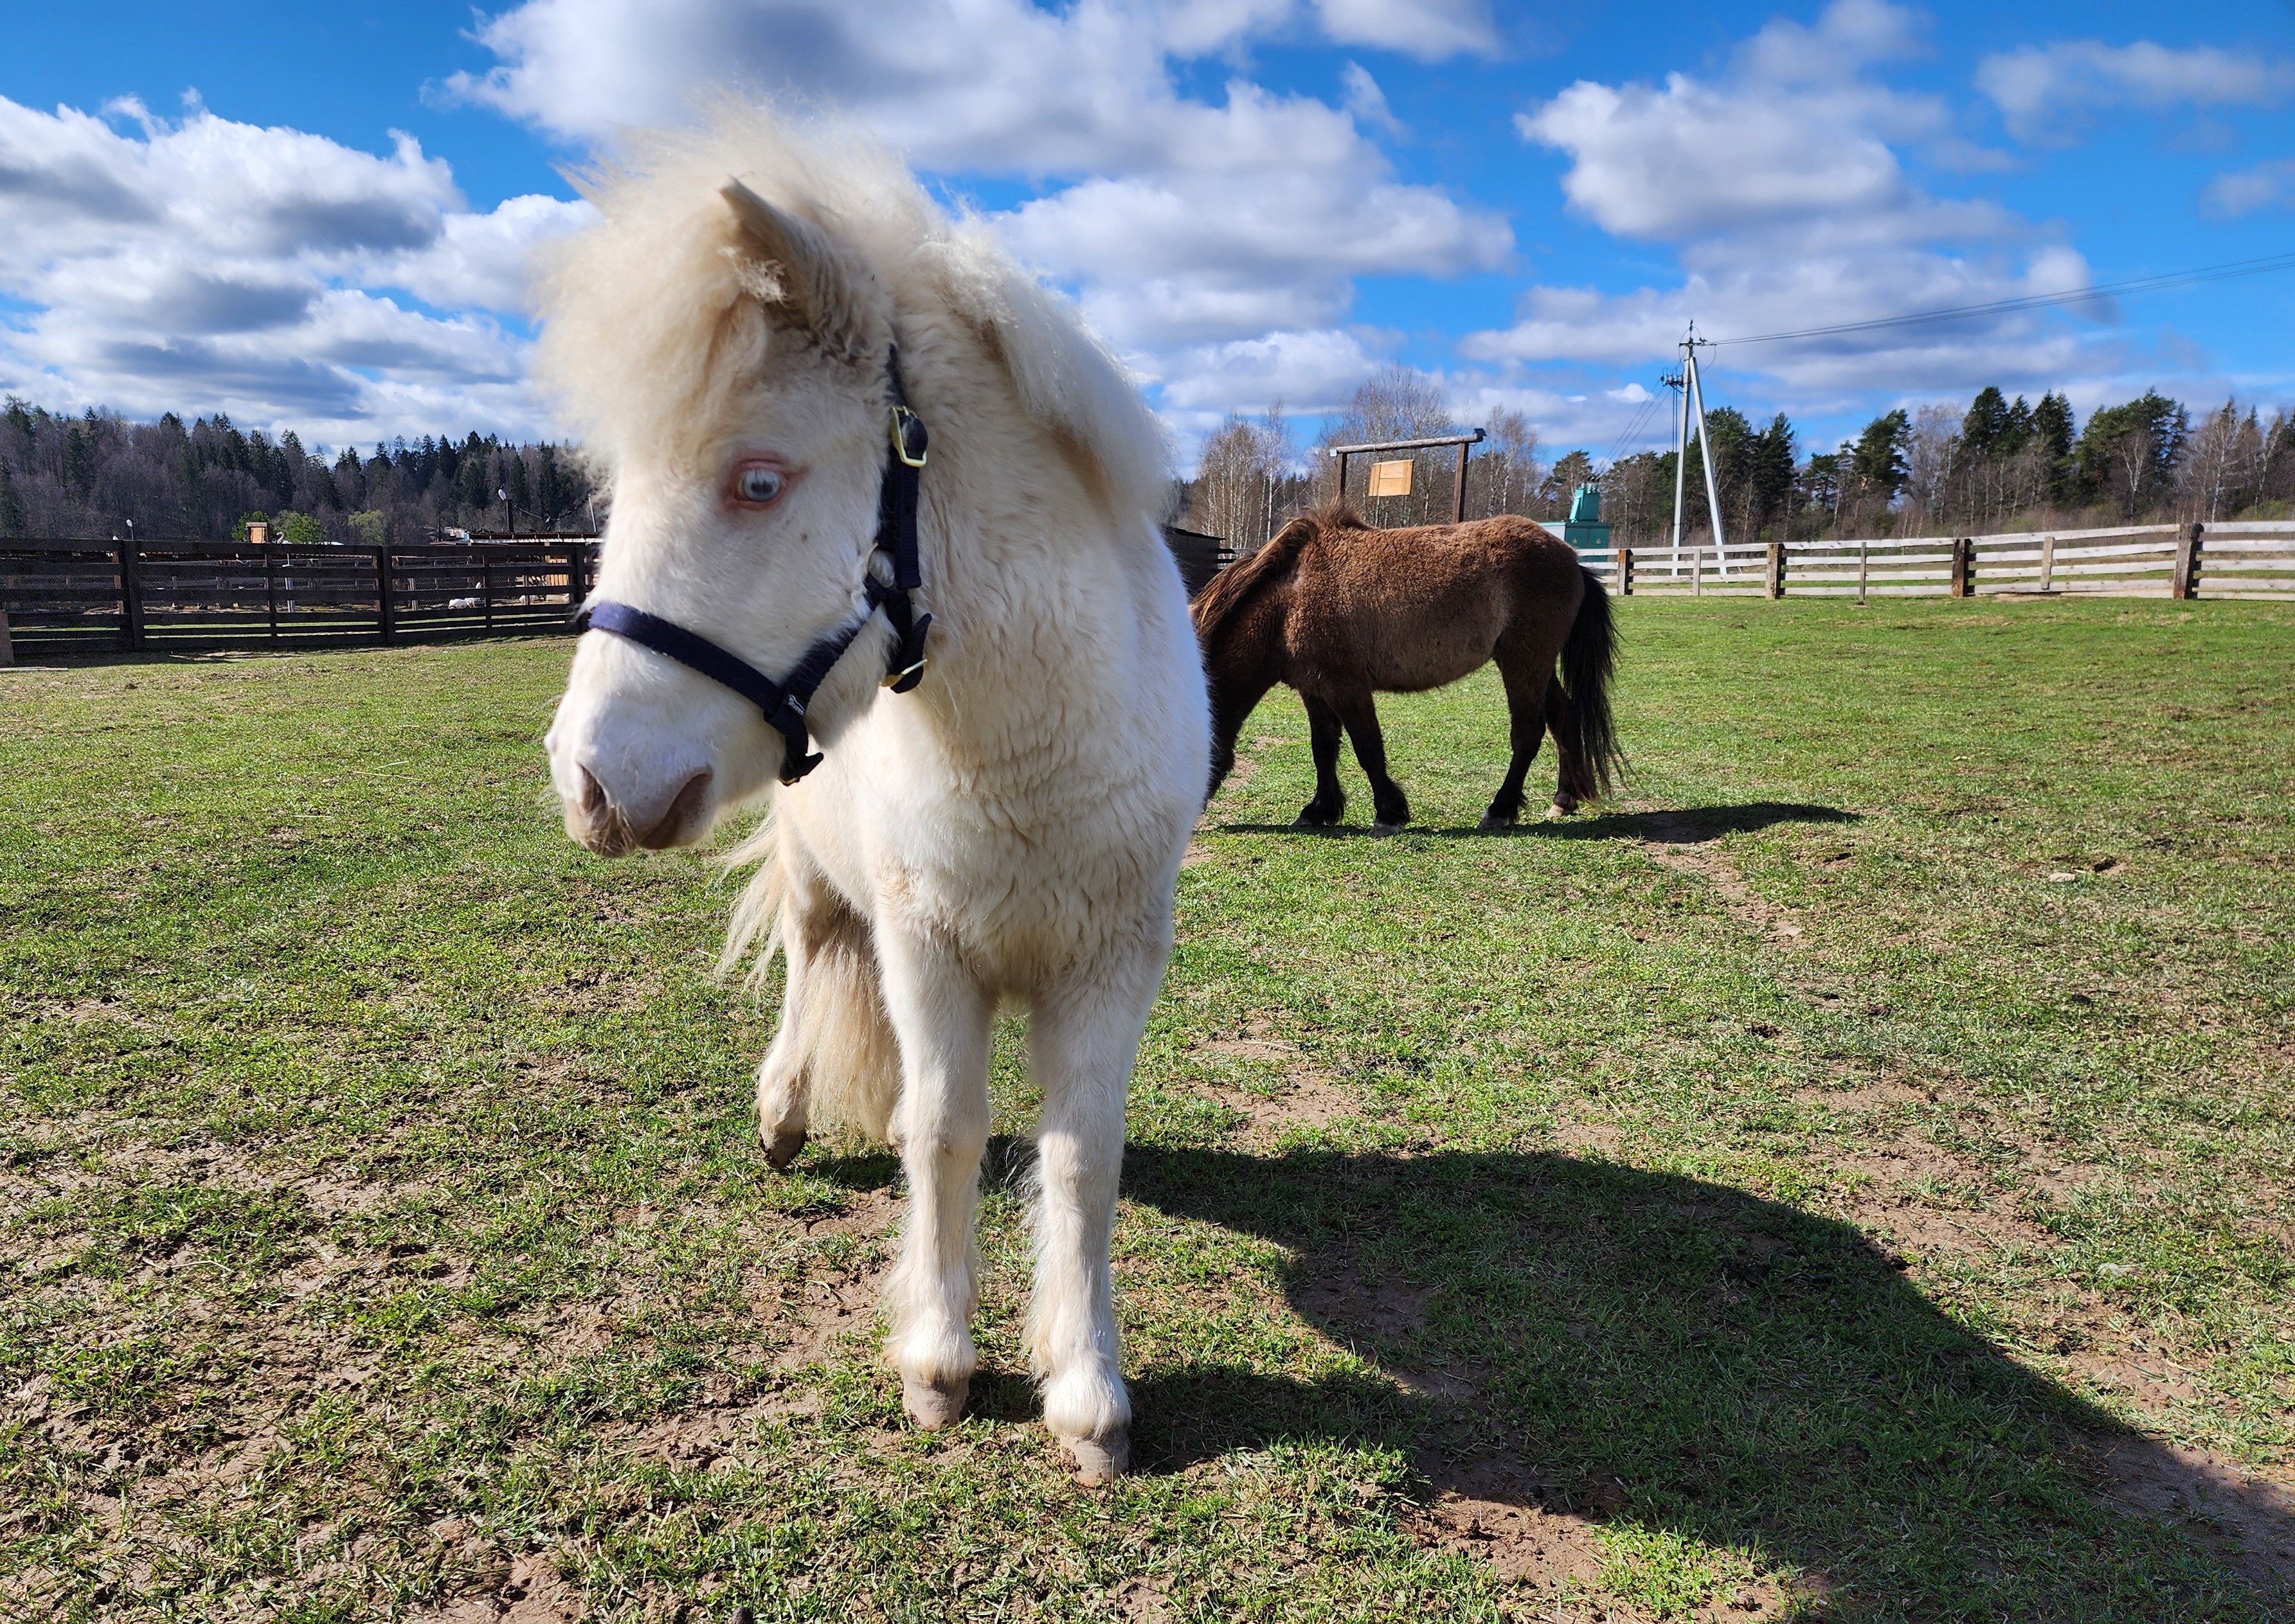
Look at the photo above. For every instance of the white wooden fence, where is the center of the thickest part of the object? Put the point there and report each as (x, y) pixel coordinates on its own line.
(2248, 558)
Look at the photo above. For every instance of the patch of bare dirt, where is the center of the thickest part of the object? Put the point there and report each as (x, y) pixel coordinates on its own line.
(535, 1593)
(833, 1306)
(1491, 1509)
(1599, 1137)
(1890, 1207)
(2145, 1374)
(1299, 1101)
(2246, 1519)
(1303, 1098)
(1525, 1544)
(1247, 765)
(1880, 1094)
(710, 1435)
(1684, 844)
(1139, 1600)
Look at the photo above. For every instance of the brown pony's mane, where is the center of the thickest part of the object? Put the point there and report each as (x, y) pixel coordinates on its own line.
(1239, 581)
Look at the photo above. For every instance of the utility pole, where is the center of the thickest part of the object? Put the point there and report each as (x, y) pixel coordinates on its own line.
(1692, 395)
(1679, 384)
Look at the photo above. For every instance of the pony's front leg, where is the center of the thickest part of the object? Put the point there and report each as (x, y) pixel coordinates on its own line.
(940, 1014)
(1323, 739)
(1083, 1039)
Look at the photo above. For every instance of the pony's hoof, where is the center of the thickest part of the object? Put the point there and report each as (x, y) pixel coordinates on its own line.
(1100, 1460)
(1557, 811)
(1382, 829)
(784, 1148)
(1491, 821)
(934, 1405)
(1315, 816)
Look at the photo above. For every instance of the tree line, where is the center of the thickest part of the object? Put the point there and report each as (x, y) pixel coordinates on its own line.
(94, 475)
(1997, 465)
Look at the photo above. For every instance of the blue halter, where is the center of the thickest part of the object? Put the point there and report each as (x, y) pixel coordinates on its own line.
(783, 703)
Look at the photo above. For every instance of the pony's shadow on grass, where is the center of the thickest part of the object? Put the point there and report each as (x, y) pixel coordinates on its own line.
(1686, 826)
(1580, 1336)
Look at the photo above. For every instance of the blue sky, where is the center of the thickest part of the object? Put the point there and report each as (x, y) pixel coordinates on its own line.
(320, 220)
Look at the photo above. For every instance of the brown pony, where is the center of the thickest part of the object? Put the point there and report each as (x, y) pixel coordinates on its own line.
(1339, 611)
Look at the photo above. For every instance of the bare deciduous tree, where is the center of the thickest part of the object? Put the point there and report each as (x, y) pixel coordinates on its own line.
(1246, 482)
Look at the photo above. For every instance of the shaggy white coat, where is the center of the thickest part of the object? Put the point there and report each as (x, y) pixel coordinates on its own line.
(1009, 830)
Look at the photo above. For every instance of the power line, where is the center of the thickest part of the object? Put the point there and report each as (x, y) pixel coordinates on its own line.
(2038, 301)
(1634, 425)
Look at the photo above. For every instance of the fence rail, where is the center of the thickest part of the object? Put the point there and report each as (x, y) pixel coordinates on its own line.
(2246, 559)
(66, 597)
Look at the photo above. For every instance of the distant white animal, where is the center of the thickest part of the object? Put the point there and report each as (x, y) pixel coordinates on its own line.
(754, 364)
(466, 603)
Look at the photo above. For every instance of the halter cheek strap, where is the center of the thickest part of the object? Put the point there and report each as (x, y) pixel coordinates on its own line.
(783, 703)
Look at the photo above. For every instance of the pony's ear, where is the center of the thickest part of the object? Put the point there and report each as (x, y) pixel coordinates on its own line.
(800, 270)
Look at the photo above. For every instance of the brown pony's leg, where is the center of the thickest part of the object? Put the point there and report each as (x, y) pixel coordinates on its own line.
(1323, 738)
(1527, 681)
(1389, 808)
(1573, 778)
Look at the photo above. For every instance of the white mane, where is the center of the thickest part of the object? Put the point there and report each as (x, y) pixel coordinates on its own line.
(640, 306)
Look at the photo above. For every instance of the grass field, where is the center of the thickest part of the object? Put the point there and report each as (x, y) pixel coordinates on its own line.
(1846, 1178)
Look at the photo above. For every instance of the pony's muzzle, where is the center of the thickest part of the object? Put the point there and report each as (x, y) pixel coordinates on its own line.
(616, 825)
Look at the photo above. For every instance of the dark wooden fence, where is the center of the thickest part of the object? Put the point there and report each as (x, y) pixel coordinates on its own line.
(67, 596)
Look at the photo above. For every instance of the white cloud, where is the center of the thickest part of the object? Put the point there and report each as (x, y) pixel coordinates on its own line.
(1794, 131)
(1781, 185)
(1184, 225)
(209, 265)
(2244, 192)
(1309, 372)
(2041, 89)
(1427, 30)
(1367, 102)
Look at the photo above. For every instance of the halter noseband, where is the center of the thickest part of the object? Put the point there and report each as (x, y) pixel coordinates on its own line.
(783, 703)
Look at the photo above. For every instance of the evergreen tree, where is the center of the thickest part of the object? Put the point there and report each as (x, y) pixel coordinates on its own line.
(1986, 424)
(14, 520)
(1571, 471)
(550, 487)
(2129, 452)
(1878, 458)
(475, 488)
(1768, 475)
(2052, 430)
(79, 462)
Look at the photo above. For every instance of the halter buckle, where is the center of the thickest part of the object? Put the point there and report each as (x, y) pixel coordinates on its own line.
(903, 420)
(895, 679)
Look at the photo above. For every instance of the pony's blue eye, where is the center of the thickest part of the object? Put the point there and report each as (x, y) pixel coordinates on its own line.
(759, 486)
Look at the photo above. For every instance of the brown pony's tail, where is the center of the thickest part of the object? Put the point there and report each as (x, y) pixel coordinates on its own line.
(1588, 662)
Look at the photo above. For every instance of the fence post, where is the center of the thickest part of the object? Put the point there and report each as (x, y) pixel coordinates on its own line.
(1963, 575)
(271, 590)
(577, 576)
(385, 616)
(1776, 571)
(2186, 582)
(1625, 572)
(1861, 550)
(486, 586)
(1698, 574)
(131, 596)
(2047, 563)
(7, 643)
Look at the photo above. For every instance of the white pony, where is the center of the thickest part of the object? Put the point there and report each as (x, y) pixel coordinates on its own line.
(736, 339)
